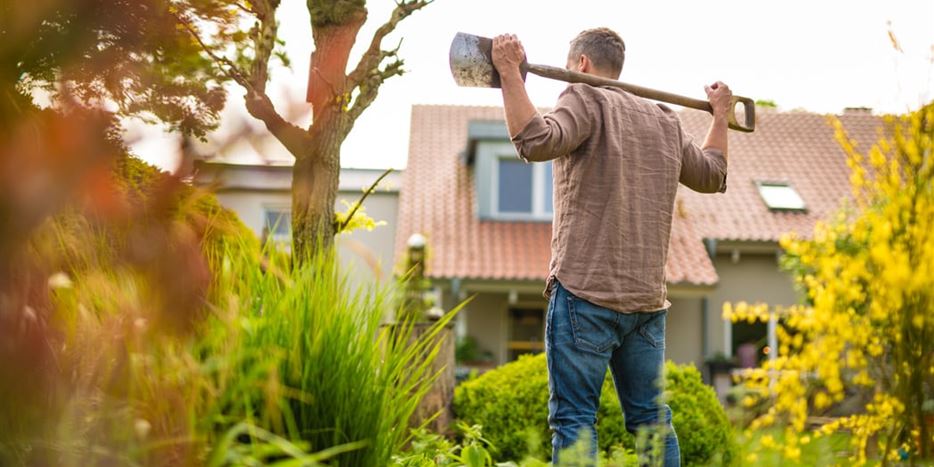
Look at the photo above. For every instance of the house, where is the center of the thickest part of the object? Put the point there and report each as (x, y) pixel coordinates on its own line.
(486, 215)
(495, 249)
(261, 196)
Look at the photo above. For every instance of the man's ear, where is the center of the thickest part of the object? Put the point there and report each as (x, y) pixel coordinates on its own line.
(584, 65)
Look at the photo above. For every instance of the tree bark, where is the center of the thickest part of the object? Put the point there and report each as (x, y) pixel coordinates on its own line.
(315, 180)
(327, 81)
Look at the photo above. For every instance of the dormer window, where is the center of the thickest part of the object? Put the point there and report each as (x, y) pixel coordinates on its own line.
(509, 189)
(779, 196)
(523, 190)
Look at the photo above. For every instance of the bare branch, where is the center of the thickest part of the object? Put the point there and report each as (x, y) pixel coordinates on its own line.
(374, 55)
(367, 77)
(368, 89)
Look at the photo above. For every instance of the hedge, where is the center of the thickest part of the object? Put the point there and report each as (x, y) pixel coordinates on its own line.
(511, 404)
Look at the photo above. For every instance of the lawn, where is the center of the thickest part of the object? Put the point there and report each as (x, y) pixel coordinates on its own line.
(764, 448)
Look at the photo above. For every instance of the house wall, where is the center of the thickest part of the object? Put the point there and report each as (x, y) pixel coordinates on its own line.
(486, 319)
(683, 339)
(367, 256)
(752, 278)
(249, 205)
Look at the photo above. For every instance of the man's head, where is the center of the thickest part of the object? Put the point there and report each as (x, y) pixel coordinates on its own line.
(598, 51)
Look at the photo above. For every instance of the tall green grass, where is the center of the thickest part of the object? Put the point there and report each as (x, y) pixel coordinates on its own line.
(342, 375)
(282, 365)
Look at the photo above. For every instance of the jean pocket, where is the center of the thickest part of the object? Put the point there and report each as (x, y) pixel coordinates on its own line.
(653, 329)
(594, 327)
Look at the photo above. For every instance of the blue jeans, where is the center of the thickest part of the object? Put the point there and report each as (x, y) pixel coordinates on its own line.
(581, 340)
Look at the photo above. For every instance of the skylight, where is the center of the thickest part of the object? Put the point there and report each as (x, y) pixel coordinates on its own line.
(780, 197)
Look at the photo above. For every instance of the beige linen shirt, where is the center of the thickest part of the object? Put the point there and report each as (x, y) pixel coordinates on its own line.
(618, 160)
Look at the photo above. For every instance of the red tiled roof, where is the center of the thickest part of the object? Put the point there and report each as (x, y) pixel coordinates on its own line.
(798, 148)
(438, 196)
(438, 200)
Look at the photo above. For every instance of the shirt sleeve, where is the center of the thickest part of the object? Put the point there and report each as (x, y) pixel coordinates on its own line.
(702, 170)
(557, 133)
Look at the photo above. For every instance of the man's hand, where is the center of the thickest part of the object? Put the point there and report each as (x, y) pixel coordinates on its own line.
(719, 95)
(508, 54)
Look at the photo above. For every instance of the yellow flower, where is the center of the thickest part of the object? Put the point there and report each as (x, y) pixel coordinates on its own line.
(767, 441)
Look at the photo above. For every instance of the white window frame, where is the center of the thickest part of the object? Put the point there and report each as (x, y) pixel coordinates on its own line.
(538, 192)
(279, 208)
(781, 208)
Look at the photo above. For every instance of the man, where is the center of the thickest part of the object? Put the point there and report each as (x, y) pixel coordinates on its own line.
(617, 160)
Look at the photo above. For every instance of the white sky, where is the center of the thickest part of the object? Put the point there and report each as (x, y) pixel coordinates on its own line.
(816, 55)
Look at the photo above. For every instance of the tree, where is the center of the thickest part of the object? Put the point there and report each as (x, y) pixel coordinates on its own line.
(127, 56)
(338, 97)
(868, 325)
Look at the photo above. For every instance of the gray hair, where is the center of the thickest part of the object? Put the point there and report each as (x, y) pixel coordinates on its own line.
(605, 49)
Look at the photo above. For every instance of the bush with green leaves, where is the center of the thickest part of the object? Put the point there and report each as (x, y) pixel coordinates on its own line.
(511, 404)
(429, 449)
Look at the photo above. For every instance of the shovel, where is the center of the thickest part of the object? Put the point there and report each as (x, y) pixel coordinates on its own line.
(472, 65)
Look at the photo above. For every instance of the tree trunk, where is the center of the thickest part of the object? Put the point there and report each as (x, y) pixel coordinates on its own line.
(316, 173)
(327, 91)
(315, 179)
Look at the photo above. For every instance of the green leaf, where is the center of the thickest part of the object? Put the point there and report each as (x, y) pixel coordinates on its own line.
(474, 456)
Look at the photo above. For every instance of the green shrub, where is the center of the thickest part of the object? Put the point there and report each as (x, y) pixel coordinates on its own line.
(511, 404)
(704, 432)
(508, 403)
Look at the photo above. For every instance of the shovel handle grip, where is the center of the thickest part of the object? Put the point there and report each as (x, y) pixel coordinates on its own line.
(749, 106)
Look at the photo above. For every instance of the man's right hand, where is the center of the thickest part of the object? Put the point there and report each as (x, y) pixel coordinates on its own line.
(719, 95)
(508, 54)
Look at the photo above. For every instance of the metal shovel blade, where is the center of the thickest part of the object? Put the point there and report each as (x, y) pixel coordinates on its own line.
(472, 61)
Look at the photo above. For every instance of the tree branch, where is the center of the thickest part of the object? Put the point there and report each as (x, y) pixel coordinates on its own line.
(258, 103)
(263, 43)
(294, 138)
(369, 88)
(374, 55)
(232, 71)
(367, 77)
(244, 8)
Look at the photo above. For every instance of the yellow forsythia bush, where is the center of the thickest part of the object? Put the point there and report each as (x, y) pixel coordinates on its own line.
(867, 325)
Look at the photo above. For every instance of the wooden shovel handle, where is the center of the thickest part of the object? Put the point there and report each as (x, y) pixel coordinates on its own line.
(749, 106)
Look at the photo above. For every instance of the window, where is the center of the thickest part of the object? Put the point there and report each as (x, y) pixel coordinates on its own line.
(780, 197)
(522, 191)
(527, 331)
(515, 186)
(277, 223)
(509, 189)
